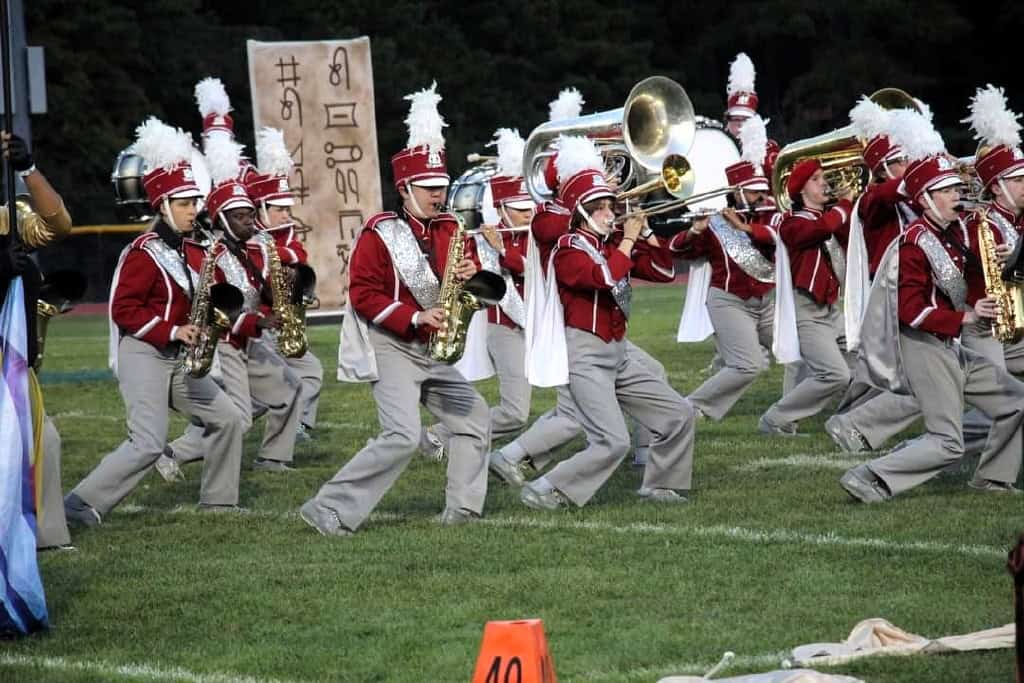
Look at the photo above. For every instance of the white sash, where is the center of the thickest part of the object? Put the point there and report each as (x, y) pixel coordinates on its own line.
(475, 364)
(357, 361)
(785, 342)
(857, 282)
(115, 334)
(695, 323)
(547, 358)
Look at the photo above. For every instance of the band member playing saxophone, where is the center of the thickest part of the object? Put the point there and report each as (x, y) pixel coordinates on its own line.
(397, 266)
(149, 311)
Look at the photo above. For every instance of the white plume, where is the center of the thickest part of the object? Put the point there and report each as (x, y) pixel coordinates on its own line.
(424, 121)
(991, 119)
(915, 134)
(575, 154)
(869, 119)
(754, 141)
(211, 97)
(568, 105)
(510, 146)
(926, 111)
(272, 155)
(160, 145)
(741, 75)
(222, 157)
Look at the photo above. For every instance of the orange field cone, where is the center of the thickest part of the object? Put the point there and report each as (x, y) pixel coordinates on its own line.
(514, 652)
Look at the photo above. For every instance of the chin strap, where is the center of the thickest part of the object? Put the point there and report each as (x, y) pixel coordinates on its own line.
(165, 210)
(420, 213)
(227, 227)
(603, 232)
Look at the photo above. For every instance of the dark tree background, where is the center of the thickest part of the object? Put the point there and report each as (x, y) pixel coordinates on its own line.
(111, 63)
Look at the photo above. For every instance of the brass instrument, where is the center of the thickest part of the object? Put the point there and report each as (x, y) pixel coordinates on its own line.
(213, 308)
(676, 204)
(459, 300)
(1008, 325)
(656, 121)
(839, 151)
(691, 216)
(291, 335)
(56, 295)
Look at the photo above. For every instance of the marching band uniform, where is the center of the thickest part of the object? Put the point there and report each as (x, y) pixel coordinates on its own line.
(740, 298)
(594, 288)
(806, 233)
(150, 299)
(269, 187)
(251, 369)
(918, 300)
(396, 267)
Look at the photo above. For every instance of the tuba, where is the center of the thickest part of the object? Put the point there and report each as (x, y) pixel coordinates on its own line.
(460, 300)
(214, 306)
(839, 151)
(635, 140)
(1008, 326)
(291, 336)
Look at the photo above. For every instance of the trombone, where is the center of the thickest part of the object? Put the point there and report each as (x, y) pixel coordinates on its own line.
(675, 204)
(690, 216)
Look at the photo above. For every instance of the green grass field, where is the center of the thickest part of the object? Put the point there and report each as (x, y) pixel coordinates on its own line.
(770, 554)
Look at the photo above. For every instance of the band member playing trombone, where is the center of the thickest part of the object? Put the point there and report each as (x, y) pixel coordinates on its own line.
(149, 311)
(397, 265)
(806, 230)
(740, 298)
(917, 309)
(593, 265)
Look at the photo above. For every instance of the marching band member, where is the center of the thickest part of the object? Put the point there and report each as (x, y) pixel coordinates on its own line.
(45, 223)
(504, 253)
(397, 265)
(740, 297)
(741, 104)
(810, 232)
(917, 309)
(251, 369)
(150, 308)
(274, 199)
(593, 266)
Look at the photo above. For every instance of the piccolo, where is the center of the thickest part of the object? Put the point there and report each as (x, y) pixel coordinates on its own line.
(706, 213)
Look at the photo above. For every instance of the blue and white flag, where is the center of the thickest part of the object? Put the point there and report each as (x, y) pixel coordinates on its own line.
(21, 591)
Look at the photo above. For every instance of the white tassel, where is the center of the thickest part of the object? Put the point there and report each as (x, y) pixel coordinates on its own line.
(575, 154)
(160, 145)
(568, 105)
(741, 75)
(754, 141)
(272, 155)
(991, 119)
(424, 121)
(222, 157)
(211, 97)
(510, 146)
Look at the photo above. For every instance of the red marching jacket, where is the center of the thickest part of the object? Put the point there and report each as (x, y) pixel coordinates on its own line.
(148, 303)
(880, 217)
(376, 290)
(975, 276)
(726, 274)
(246, 325)
(585, 286)
(922, 304)
(805, 232)
(549, 223)
(289, 246)
(513, 260)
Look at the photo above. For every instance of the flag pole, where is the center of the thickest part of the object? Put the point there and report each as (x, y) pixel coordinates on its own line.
(8, 85)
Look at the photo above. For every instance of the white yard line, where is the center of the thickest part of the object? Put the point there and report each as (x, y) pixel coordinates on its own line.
(821, 461)
(81, 415)
(148, 672)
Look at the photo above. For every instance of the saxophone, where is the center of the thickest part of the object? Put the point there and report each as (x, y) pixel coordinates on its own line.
(459, 300)
(1008, 326)
(291, 336)
(210, 321)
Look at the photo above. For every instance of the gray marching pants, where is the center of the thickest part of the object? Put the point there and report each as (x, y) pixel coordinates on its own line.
(562, 424)
(943, 376)
(53, 526)
(826, 373)
(148, 377)
(507, 350)
(742, 328)
(259, 375)
(603, 376)
(879, 415)
(408, 377)
(311, 373)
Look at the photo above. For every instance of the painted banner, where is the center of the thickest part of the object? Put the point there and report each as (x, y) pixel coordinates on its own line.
(321, 95)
